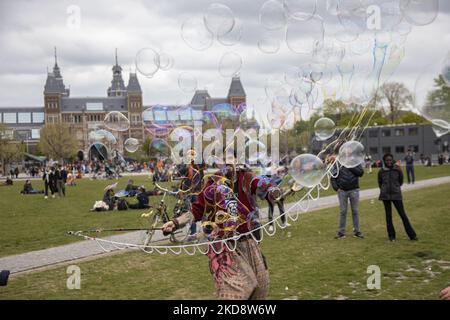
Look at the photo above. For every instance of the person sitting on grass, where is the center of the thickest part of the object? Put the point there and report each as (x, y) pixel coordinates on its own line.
(131, 189)
(142, 197)
(28, 188)
(390, 180)
(8, 182)
(109, 199)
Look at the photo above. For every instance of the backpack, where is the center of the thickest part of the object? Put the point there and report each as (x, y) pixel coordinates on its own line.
(122, 205)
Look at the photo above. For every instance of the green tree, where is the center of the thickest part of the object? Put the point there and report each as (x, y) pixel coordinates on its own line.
(57, 142)
(440, 96)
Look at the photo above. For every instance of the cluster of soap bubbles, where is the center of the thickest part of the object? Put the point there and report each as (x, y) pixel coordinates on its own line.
(150, 60)
(218, 22)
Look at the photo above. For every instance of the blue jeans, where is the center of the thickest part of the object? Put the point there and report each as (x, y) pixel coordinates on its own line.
(410, 173)
(344, 196)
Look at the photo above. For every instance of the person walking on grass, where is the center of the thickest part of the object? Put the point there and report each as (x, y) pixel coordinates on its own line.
(409, 160)
(61, 178)
(346, 183)
(390, 180)
(49, 182)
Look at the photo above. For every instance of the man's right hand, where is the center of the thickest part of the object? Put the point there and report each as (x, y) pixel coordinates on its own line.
(168, 227)
(339, 190)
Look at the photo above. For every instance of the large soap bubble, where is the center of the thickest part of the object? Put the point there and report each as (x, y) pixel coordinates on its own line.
(431, 91)
(440, 127)
(131, 145)
(116, 121)
(269, 43)
(300, 9)
(305, 36)
(230, 64)
(103, 136)
(324, 128)
(419, 12)
(195, 34)
(147, 62)
(351, 154)
(219, 19)
(272, 15)
(187, 82)
(234, 36)
(257, 152)
(307, 170)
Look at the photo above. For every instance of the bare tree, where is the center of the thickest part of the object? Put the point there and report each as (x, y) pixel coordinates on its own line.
(10, 150)
(397, 97)
(57, 141)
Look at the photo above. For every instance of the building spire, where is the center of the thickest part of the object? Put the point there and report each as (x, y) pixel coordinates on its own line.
(56, 58)
(117, 62)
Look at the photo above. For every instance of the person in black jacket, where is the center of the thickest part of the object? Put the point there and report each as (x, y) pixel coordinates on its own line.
(409, 160)
(49, 182)
(142, 197)
(390, 180)
(346, 183)
(61, 178)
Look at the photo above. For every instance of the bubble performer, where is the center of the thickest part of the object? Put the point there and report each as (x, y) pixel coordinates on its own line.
(226, 206)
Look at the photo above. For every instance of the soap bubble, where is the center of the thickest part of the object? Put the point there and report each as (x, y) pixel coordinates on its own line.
(156, 122)
(307, 170)
(98, 151)
(300, 9)
(219, 19)
(440, 127)
(147, 62)
(269, 43)
(116, 121)
(233, 37)
(248, 118)
(224, 111)
(160, 147)
(272, 15)
(324, 128)
(195, 34)
(431, 89)
(305, 36)
(351, 154)
(230, 64)
(187, 82)
(257, 151)
(103, 136)
(131, 145)
(420, 12)
(165, 61)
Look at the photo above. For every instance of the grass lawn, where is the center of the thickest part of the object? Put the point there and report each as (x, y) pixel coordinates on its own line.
(30, 222)
(305, 262)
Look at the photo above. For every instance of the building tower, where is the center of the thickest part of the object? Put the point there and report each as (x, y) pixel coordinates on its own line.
(54, 90)
(134, 97)
(117, 88)
(236, 93)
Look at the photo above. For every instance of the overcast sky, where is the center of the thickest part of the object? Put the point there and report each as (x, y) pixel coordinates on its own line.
(30, 29)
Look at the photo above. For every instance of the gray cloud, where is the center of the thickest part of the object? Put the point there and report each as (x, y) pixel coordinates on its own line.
(30, 29)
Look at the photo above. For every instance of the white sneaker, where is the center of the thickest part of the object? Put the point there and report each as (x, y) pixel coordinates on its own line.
(53, 196)
(45, 197)
(287, 224)
(270, 228)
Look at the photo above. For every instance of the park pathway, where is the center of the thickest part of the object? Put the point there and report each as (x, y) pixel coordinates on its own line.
(89, 249)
